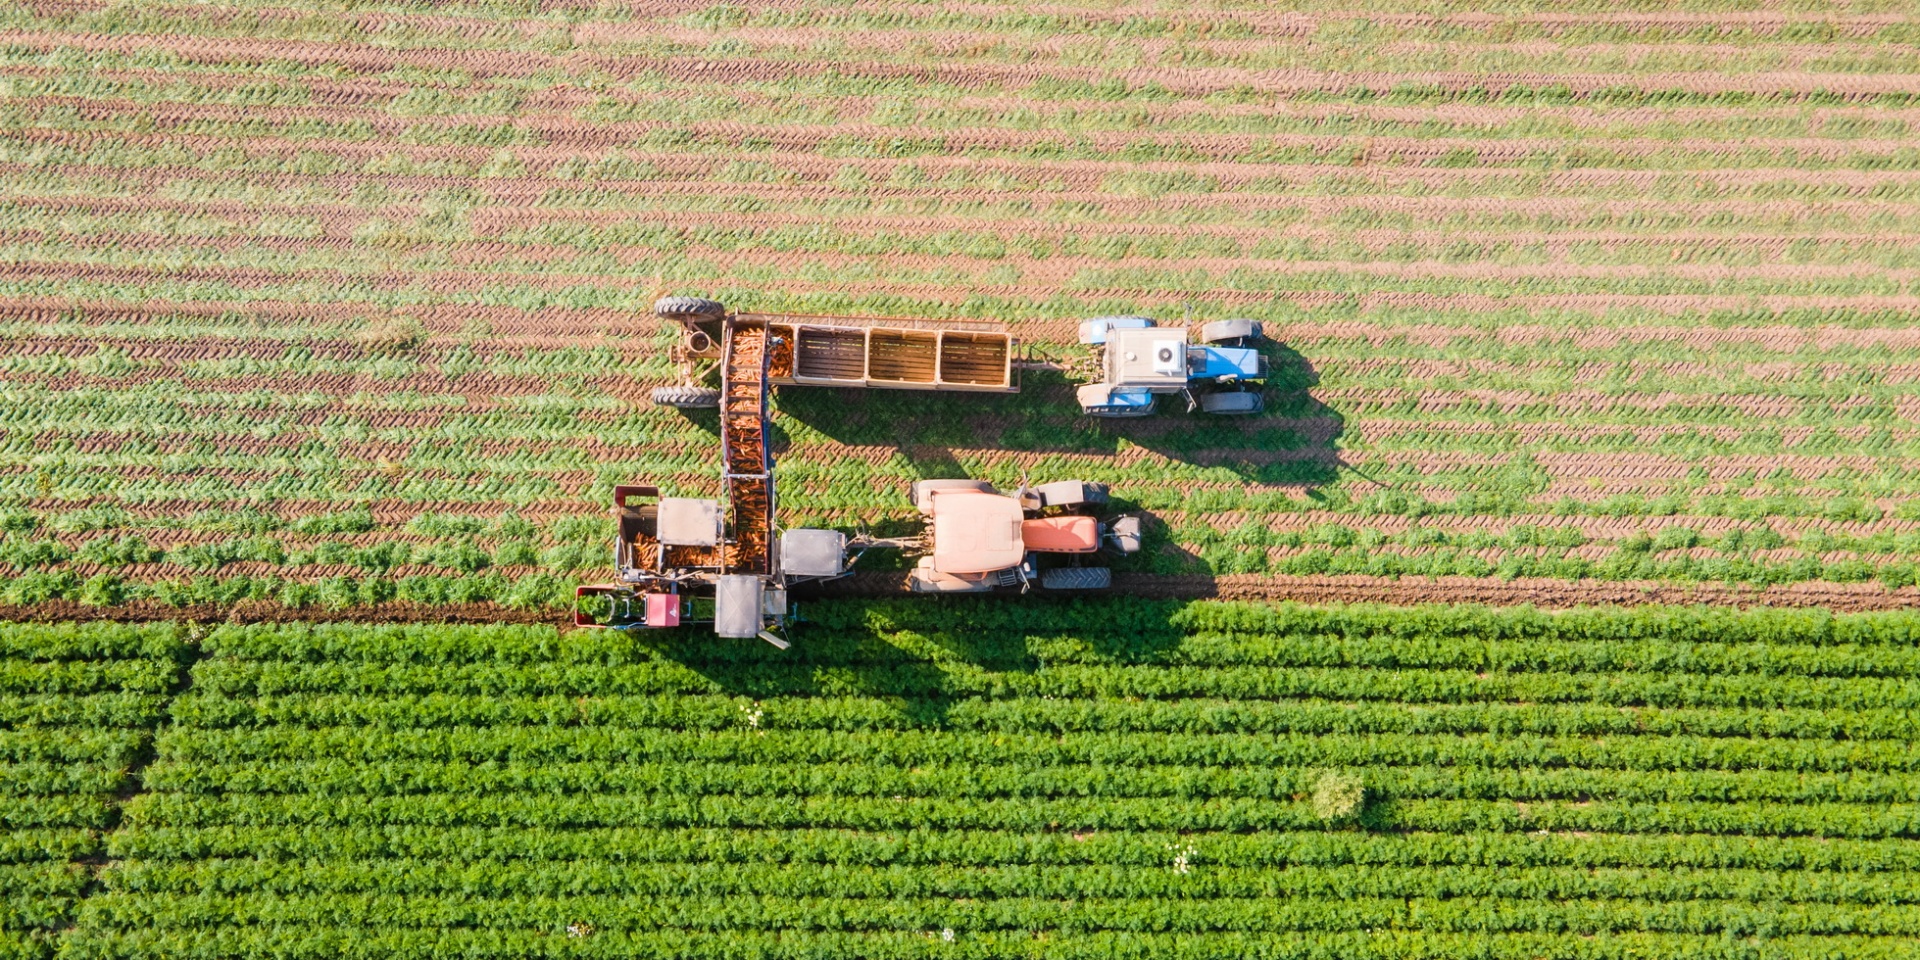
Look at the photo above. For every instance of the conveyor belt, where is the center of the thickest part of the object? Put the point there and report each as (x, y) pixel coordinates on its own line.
(743, 436)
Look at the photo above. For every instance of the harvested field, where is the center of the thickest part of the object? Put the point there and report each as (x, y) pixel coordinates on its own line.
(345, 310)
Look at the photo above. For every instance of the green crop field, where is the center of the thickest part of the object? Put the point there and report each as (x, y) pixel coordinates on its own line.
(1113, 778)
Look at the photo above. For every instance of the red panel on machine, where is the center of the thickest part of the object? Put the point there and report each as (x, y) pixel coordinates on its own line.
(663, 610)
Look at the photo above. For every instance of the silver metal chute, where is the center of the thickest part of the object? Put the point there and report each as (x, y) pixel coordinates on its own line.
(739, 605)
(813, 553)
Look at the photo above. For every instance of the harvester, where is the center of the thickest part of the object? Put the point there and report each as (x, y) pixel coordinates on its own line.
(1220, 372)
(727, 562)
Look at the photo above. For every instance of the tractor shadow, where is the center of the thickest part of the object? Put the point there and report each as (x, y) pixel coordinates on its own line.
(1292, 448)
(1294, 442)
(911, 660)
(922, 428)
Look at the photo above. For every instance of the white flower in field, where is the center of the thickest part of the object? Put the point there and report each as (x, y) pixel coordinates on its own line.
(753, 713)
(578, 930)
(946, 933)
(1183, 857)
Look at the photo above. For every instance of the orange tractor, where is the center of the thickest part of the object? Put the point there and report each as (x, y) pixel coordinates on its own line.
(682, 560)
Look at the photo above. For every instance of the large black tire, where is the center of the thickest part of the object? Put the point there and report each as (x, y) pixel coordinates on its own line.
(1239, 332)
(918, 490)
(1232, 403)
(687, 398)
(1076, 578)
(1072, 493)
(689, 308)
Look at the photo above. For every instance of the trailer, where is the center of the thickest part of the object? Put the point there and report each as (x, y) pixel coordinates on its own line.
(890, 353)
(726, 562)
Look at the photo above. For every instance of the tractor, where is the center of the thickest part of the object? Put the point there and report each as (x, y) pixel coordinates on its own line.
(1222, 373)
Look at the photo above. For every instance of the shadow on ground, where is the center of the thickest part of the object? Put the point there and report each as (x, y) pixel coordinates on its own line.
(920, 655)
(1291, 448)
(1294, 442)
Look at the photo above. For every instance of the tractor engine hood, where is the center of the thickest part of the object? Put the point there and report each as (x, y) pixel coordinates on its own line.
(976, 532)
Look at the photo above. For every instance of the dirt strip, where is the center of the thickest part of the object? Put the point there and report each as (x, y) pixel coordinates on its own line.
(1540, 592)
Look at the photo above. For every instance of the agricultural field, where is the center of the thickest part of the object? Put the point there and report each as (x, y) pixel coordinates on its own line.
(1103, 778)
(324, 336)
(344, 306)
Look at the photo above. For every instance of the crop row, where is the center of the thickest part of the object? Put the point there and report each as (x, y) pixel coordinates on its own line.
(461, 555)
(123, 274)
(1279, 782)
(523, 251)
(1862, 821)
(1417, 550)
(332, 592)
(353, 940)
(548, 236)
(1049, 847)
(916, 679)
(1081, 915)
(89, 641)
(686, 714)
(913, 748)
(484, 879)
(98, 710)
(1196, 649)
(1321, 37)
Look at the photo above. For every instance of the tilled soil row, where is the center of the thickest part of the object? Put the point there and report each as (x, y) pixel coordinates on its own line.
(562, 137)
(374, 58)
(558, 327)
(514, 212)
(1550, 594)
(523, 261)
(548, 118)
(1070, 180)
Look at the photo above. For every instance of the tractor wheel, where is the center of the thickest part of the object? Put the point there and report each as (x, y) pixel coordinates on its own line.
(689, 309)
(1076, 578)
(687, 398)
(1232, 403)
(1237, 332)
(920, 492)
(1072, 493)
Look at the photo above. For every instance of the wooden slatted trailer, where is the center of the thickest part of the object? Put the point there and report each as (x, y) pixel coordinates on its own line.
(889, 352)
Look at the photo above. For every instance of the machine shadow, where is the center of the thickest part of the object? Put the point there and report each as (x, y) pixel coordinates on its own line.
(922, 427)
(912, 659)
(707, 420)
(1293, 445)
(1294, 442)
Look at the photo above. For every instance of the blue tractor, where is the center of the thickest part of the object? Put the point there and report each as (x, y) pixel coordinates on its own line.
(1223, 373)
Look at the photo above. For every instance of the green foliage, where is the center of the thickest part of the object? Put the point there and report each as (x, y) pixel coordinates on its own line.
(1338, 796)
(1007, 771)
(357, 520)
(78, 703)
